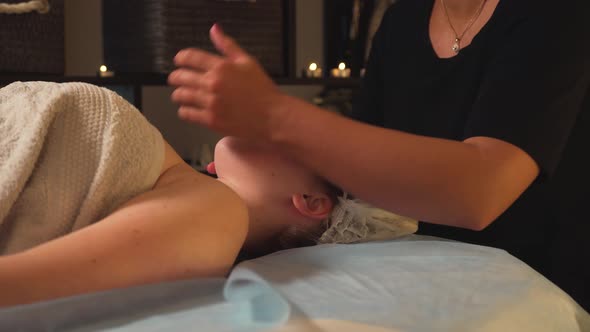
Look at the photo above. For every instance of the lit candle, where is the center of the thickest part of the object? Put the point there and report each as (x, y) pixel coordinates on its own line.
(313, 71)
(103, 71)
(341, 71)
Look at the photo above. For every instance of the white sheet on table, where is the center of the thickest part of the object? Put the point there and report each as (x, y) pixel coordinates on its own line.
(417, 284)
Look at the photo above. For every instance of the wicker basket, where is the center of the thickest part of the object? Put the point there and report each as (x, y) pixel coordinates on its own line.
(32, 42)
(143, 36)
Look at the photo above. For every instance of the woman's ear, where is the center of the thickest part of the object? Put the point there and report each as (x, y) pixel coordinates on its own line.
(315, 205)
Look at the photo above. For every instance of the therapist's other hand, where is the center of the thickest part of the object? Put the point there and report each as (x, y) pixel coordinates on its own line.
(229, 93)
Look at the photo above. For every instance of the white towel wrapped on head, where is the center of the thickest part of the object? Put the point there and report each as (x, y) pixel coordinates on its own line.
(69, 155)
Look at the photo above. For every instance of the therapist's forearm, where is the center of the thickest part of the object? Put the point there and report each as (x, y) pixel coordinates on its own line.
(435, 180)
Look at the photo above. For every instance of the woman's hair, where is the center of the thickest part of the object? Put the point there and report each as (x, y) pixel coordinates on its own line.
(353, 221)
(350, 221)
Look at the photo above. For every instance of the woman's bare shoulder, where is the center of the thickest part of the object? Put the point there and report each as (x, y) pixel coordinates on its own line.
(177, 174)
(171, 159)
(185, 202)
(175, 169)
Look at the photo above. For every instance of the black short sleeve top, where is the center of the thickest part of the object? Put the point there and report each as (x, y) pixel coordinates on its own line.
(523, 79)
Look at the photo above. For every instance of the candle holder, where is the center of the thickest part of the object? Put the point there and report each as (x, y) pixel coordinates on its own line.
(313, 71)
(103, 71)
(341, 71)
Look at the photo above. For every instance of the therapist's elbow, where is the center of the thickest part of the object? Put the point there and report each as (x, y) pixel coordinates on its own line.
(479, 218)
(478, 225)
(474, 223)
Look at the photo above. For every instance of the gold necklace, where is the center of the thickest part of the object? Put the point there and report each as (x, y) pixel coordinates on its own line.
(457, 44)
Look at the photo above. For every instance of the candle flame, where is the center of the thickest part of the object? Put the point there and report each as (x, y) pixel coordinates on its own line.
(342, 66)
(103, 68)
(313, 66)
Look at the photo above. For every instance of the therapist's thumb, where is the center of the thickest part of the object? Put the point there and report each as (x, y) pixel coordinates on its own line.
(225, 44)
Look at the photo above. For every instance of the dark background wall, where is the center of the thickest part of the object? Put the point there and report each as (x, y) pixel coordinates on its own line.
(83, 48)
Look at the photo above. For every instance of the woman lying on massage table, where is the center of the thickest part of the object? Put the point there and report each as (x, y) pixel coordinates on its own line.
(184, 225)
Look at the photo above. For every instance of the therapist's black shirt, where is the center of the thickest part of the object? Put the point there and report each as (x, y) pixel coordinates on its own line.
(524, 80)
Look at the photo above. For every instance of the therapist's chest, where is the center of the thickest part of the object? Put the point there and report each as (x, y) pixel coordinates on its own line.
(428, 96)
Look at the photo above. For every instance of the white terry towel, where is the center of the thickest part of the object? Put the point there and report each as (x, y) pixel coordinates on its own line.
(69, 155)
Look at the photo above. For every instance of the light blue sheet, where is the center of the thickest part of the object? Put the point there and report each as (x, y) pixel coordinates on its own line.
(415, 284)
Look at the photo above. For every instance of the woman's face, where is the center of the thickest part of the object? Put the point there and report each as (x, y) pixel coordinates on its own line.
(258, 172)
(280, 194)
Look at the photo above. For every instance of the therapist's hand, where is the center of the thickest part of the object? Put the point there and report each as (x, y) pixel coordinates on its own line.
(229, 93)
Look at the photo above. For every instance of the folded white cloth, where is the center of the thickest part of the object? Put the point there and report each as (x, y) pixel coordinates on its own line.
(69, 155)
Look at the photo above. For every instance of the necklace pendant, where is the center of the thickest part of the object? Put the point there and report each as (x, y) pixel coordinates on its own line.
(457, 46)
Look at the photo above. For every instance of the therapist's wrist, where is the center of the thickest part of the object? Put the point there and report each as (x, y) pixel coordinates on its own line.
(291, 120)
(279, 116)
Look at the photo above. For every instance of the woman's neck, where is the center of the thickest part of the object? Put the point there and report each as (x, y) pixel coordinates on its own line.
(263, 227)
(462, 10)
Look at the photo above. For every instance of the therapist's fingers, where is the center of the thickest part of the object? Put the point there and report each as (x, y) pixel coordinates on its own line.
(225, 44)
(187, 77)
(194, 115)
(197, 59)
(192, 97)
